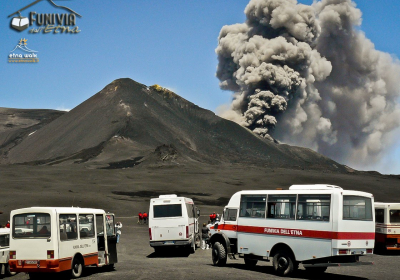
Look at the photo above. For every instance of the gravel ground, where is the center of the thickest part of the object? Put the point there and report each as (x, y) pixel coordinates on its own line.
(137, 261)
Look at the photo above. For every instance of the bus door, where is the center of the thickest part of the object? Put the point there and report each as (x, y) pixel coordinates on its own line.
(111, 239)
(228, 224)
(101, 237)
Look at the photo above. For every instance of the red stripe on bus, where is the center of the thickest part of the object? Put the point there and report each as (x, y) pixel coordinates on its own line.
(299, 232)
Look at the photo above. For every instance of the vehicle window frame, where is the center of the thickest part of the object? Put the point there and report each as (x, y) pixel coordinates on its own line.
(252, 198)
(292, 205)
(325, 201)
(84, 234)
(71, 234)
(165, 205)
(357, 197)
(34, 224)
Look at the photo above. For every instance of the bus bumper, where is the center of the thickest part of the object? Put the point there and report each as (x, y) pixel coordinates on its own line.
(167, 243)
(39, 265)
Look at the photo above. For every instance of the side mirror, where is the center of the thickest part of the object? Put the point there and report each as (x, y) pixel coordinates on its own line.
(198, 212)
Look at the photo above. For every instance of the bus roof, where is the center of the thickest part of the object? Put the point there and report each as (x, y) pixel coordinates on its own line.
(170, 198)
(295, 189)
(58, 210)
(387, 205)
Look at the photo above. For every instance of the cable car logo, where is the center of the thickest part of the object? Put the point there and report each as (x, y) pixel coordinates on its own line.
(21, 23)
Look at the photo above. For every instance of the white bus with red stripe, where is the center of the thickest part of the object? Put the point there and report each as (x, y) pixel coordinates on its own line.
(173, 222)
(55, 239)
(387, 218)
(316, 225)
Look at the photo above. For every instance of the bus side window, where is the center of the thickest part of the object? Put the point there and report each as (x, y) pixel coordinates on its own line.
(252, 206)
(314, 207)
(110, 225)
(86, 225)
(67, 227)
(281, 206)
(379, 215)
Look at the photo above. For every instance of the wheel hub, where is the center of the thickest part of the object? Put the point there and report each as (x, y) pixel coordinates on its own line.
(282, 263)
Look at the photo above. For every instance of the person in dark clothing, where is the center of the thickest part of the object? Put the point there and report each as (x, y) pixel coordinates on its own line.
(145, 217)
(204, 237)
(140, 220)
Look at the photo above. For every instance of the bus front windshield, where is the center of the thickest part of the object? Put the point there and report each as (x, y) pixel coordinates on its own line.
(357, 208)
(31, 225)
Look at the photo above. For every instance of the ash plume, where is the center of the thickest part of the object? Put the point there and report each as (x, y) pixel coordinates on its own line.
(307, 75)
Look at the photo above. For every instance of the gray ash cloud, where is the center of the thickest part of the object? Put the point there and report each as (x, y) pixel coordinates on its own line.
(307, 75)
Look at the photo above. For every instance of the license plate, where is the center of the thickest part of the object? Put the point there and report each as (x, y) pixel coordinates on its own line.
(30, 262)
(169, 242)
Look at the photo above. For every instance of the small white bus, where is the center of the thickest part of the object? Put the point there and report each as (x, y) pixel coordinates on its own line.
(173, 221)
(316, 225)
(55, 239)
(387, 233)
(4, 252)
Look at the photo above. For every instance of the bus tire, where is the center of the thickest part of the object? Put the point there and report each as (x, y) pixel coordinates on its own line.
(316, 270)
(283, 263)
(250, 263)
(77, 268)
(8, 272)
(218, 254)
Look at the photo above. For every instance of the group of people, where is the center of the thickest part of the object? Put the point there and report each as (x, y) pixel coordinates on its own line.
(142, 218)
(213, 218)
(205, 231)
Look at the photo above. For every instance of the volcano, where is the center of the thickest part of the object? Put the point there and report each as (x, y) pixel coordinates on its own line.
(128, 124)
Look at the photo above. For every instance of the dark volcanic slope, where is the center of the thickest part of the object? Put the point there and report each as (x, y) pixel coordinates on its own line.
(18, 124)
(128, 123)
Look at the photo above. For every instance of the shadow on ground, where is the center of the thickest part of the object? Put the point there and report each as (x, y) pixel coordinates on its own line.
(170, 253)
(301, 274)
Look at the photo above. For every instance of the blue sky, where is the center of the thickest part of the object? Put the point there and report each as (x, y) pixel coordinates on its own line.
(170, 43)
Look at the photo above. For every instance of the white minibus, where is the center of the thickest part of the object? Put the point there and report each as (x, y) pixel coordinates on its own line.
(387, 233)
(55, 239)
(316, 225)
(4, 252)
(173, 221)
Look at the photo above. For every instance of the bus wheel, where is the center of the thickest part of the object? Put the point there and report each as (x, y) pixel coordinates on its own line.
(283, 263)
(218, 254)
(77, 268)
(8, 272)
(250, 262)
(316, 270)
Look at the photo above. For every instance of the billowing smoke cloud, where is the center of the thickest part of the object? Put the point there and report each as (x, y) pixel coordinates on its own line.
(306, 75)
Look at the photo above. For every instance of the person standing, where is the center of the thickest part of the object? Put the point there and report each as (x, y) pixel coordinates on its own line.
(118, 227)
(140, 218)
(204, 236)
(145, 217)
